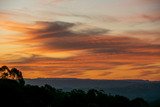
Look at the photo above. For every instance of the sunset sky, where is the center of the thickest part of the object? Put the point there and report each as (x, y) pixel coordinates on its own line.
(95, 39)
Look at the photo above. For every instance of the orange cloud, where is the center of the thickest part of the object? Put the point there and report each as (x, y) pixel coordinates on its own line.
(93, 53)
(17, 26)
(97, 66)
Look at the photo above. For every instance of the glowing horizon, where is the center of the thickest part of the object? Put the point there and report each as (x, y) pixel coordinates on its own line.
(95, 39)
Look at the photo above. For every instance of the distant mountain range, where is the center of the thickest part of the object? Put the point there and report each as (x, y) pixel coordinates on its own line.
(149, 90)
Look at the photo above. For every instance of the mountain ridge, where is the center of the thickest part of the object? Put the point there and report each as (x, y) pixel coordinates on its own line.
(149, 90)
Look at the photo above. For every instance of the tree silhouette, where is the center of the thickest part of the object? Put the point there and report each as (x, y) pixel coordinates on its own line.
(4, 72)
(17, 75)
(139, 102)
(13, 74)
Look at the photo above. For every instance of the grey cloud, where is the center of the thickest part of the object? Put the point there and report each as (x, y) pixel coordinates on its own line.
(111, 45)
(61, 29)
(95, 31)
(108, 46)
(53, 29)
(60, 37)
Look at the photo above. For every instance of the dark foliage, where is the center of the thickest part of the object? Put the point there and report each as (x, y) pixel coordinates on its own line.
(13, 94)
(155, 103)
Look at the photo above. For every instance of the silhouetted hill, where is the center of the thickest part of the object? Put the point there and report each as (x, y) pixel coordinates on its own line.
(14, 94)
(130, 88)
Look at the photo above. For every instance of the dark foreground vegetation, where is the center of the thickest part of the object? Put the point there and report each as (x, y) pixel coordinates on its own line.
(14, 93)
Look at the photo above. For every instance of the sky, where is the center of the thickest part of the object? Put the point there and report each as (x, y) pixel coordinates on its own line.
(86, 39)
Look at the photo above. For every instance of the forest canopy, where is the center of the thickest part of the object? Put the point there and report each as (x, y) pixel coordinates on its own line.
(25, 95)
